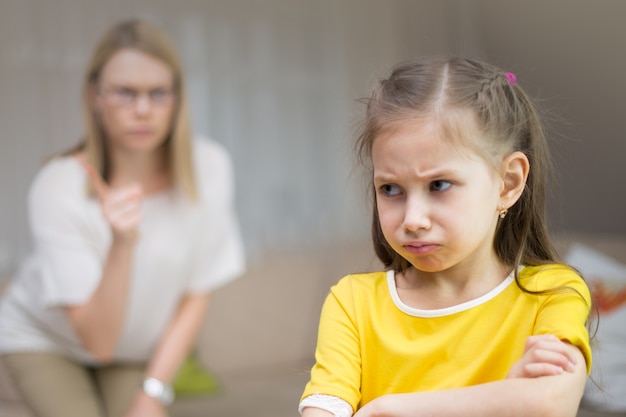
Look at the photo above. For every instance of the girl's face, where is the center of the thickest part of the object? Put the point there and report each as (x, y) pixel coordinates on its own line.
(135, 101)
(437, 201)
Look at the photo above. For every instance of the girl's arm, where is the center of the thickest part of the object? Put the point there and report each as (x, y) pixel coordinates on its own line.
(173, 347)
(315, 412)
(557, 395)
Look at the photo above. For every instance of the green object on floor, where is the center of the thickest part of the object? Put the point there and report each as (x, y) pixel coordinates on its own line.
(194, 379)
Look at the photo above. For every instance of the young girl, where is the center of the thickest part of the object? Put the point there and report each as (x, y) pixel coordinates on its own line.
(474, 316)
(133, 230)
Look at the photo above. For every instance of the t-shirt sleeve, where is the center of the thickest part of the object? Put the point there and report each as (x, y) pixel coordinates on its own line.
(218, 256)
(564, 312)
(69, 263)
(337, 371)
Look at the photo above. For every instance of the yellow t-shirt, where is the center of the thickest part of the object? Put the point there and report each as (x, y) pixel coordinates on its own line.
(371, 344)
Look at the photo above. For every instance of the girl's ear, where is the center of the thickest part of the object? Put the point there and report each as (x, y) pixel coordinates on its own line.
(514, 173)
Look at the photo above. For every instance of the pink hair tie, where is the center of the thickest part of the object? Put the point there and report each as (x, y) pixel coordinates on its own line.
(511, 78)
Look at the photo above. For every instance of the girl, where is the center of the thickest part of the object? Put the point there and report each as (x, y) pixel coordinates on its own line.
(474, 315)
(132, 231)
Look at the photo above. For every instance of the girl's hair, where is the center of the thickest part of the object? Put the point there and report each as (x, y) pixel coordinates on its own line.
(458, 92)
(144, 37)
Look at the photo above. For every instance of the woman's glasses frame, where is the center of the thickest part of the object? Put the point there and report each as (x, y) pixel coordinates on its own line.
(121, 96)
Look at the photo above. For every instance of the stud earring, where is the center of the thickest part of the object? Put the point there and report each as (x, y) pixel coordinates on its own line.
(502, 213)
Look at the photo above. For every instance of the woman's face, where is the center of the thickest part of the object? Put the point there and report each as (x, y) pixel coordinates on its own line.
(135, 100)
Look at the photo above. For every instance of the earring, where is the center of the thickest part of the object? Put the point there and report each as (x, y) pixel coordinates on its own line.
(502, 213)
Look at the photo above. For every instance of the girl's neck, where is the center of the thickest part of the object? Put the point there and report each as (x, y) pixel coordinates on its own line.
(431, 290)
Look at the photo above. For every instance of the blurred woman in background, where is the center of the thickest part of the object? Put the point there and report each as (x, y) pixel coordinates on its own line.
(132, 230)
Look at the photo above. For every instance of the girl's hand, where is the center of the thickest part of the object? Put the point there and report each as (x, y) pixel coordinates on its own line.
(381, 406)
(121, 207)
(145, 406)
(544, 355)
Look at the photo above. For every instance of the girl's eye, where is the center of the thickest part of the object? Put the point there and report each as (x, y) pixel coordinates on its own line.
(440, 185)
(390, 189)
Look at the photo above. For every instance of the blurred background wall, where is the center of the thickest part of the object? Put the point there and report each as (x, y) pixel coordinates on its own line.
(276, 81)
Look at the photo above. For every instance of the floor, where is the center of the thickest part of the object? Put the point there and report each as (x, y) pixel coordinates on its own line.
(262, 393)
(267, 393)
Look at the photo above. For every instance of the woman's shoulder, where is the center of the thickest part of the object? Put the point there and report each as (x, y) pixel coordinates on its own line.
(209, 154)
(60, 175)
(59, 166)
(213, 169)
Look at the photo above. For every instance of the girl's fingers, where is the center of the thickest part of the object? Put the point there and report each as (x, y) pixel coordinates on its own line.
(536, 339)
(535, 370)
(560, 347)
(557, 359)
(550, 351)
(544, 355)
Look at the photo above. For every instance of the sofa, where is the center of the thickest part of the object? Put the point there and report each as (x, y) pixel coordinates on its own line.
(259, 336)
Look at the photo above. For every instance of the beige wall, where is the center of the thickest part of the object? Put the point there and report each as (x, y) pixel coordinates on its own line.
(276, 80)
(571, 54)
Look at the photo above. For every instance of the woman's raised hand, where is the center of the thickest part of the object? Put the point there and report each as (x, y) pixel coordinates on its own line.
(121, 206)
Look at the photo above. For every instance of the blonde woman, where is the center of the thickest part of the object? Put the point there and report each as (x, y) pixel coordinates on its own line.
(132, 231)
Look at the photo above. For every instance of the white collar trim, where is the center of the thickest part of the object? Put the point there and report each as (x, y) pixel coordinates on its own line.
(441, 312)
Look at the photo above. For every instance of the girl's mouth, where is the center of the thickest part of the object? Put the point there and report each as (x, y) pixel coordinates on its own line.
(421, 248)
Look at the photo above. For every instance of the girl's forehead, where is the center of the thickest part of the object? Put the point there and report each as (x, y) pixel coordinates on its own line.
(455, 134)
(457, 128)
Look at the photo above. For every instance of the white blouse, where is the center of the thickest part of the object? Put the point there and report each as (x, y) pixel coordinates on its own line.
(183, 247)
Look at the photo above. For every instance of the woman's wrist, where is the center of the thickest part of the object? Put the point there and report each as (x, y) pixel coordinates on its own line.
(125, 238)
(158, 390)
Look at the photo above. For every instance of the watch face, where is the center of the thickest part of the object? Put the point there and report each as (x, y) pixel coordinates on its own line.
(153, 387)
(158, 390)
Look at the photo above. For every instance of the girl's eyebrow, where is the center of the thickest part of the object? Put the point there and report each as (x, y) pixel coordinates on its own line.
(427, 175)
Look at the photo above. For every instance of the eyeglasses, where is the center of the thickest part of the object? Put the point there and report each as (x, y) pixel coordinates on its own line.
(126, 97)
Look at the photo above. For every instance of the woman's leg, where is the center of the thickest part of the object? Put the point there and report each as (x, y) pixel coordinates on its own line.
(118, 384)
(52, 385)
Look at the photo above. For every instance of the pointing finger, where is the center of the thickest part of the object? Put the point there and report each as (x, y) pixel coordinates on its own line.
(101, 187)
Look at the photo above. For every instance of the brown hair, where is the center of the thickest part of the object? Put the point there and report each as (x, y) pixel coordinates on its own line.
(507, 120)
(144, 37)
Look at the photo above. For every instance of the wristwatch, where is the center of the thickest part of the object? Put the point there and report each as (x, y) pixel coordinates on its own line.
(158, 390)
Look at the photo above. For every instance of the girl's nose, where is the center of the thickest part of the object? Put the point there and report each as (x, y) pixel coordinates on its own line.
(416, 215)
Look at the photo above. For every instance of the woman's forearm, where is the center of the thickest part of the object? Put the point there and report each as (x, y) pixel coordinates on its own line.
(179, 337)
(98, 322)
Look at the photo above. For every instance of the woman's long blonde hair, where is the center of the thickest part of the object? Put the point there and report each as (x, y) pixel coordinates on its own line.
(144, 37)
